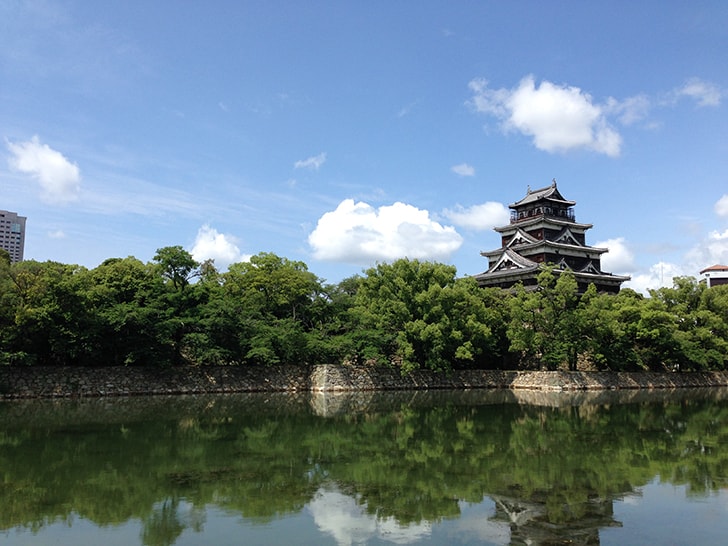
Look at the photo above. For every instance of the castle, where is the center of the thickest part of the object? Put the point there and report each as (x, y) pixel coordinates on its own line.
(543, 231)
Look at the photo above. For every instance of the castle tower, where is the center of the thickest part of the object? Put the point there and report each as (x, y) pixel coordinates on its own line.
(543, 231)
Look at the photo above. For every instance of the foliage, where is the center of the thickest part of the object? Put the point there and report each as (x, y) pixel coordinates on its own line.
(176, 265)
(124, 294)
(416, 315)
(700, 326)
(265, 311)
(419, 315)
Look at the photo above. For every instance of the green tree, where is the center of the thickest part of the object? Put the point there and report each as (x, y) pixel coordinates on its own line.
(330, 339)
(8, 305)
(547, 324)
(125, 295)
(51, 320)
(176, 265)
(283, 288)
(610, 329)
(419, 315)
(266, 311)
(179, 305)
(699, 325)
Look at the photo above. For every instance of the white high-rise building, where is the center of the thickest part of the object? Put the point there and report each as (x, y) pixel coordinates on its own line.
(12, 234)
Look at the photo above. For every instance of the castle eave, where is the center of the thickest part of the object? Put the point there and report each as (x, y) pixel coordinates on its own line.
(536, 221)
(542, 246)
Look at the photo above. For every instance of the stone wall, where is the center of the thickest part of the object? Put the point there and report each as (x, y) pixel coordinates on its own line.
(56, 382)
(362, 378)
(67, 382)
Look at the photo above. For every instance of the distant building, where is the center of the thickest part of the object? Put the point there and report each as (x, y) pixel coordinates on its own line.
(715, 275)
(12, 234)
(543, 231)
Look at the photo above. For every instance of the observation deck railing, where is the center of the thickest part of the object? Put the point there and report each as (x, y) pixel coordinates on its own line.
(523, 215)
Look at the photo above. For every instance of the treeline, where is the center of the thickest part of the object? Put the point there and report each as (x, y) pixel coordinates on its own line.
(411, 314)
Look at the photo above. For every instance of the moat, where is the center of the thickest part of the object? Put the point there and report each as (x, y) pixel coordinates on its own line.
(456, 467)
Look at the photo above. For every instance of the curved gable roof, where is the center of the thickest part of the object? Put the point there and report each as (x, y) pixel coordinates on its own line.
(520, 238)
(549, 193)
(511, 260)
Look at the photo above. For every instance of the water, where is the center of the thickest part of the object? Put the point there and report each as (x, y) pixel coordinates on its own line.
(477, 467)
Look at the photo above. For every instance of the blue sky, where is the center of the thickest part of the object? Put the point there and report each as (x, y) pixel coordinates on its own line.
(346, 133)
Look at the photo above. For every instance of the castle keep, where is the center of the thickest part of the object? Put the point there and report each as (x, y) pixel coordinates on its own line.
(543, 230)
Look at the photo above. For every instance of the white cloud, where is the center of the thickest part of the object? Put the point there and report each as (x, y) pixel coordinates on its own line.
(348, 522)
(476, 524)
(359, 233)
(629, 110)
(57, 234)
(718, 236)
(463, 169)
(210, 244)
(60, 180)
(658, 275)
(721, 206)
(404, 111)
(712, 250)
(619, 259)
(559, 118)
(313, 162)
(479, 217)
(705, 93)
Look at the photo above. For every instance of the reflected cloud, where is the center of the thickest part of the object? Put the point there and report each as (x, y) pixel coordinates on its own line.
(345, 519)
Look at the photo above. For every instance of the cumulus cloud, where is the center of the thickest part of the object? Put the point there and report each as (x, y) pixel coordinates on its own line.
(212, 245)
(59, 178)
(559, 118)
(721, 207)
(361, 234)
(716, 249)
(705, 93)
(313, 163)
(479, 217)
(619, 259)
(657, 276)
(463, 169)
(348, 522)
(711, 250)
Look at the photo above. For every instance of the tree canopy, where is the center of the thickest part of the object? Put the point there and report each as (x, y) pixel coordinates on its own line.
(409, 314)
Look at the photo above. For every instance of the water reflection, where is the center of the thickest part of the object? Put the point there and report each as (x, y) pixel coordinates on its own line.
(501, 467)
(345, 519)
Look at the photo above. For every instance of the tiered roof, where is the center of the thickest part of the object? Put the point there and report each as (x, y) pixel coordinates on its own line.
(543, 231)
(549, 193)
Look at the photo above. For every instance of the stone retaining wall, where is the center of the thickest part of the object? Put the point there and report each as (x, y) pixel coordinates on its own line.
(62, 382)
(52, 382)
(362, 378)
